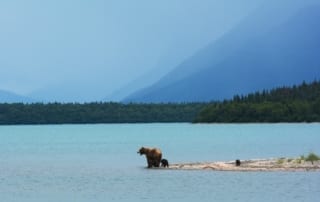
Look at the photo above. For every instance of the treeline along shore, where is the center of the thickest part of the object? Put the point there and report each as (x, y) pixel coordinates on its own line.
(74, 113)
(286, 104)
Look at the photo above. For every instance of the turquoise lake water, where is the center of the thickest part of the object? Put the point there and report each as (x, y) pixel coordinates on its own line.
(100, 162)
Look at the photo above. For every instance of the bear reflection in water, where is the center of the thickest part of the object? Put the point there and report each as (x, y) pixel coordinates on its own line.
(153, 155)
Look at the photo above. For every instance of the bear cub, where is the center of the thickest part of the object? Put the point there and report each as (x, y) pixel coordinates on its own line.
(164, 163)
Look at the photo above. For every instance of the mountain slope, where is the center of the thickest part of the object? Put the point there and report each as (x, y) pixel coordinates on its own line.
(252, 57)
(8, 97)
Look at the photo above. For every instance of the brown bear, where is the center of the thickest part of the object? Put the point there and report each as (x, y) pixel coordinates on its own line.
(153, 156)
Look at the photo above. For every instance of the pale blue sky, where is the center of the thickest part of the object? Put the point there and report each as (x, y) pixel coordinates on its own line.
(83, 50)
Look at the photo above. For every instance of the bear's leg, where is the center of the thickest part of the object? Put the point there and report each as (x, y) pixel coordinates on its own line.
(157, 162)
(150, 163)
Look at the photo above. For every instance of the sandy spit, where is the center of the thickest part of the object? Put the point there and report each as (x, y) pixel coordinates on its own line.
(272, 164)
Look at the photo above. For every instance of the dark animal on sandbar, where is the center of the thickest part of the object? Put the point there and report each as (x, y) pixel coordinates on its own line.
(153, 156)
(238, 162)
(164, 163)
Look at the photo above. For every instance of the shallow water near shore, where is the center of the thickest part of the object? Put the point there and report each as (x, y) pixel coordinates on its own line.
(100, 162)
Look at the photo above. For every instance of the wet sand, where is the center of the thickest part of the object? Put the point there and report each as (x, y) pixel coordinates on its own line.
(272, 164)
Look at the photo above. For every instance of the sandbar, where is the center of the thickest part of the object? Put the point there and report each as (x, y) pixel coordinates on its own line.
(271, 164)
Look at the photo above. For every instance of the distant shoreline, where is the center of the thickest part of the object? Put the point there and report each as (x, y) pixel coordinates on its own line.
(296, 104)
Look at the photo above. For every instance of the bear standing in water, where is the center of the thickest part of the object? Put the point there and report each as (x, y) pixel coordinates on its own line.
(153, 156)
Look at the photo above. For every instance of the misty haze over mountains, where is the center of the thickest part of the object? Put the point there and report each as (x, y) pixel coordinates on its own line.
(84, 51)
(276, 44)
(8, 97)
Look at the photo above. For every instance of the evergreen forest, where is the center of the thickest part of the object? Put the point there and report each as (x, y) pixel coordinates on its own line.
(285, 104)
(75, 113)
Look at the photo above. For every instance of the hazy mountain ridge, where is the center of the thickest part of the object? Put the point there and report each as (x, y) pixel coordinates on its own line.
(9, 97)
(272, 54)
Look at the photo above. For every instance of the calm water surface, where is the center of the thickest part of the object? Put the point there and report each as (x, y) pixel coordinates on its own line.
(100, 162)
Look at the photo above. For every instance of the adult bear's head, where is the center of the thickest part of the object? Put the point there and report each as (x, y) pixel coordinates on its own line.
(142, 151)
